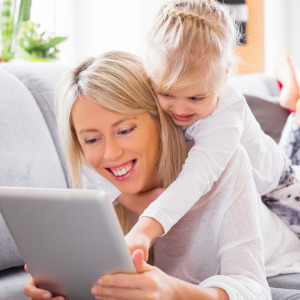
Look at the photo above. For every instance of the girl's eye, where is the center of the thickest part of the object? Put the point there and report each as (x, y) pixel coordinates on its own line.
(165, 95)
(196, 98)
(90, 141)
(126, 131)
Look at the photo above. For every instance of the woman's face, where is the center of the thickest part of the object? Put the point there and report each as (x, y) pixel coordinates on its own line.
(122, 148)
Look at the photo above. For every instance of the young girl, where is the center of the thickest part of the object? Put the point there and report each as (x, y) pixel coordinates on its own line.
(190, 54)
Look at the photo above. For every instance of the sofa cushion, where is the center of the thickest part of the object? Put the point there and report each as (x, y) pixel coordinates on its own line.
(12, 284)
(271, 116)
(41, 78)
(257, 84)
(27, 153)
(285, 287)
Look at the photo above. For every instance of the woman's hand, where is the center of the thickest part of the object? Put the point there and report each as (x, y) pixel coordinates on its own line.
(34, 293)
(150, 283)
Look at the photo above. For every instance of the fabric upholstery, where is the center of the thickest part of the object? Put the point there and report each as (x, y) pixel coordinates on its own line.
(41, 79)
(12, 282)
(28, 157)
(257, 84)
(285, 287)
(270, 115)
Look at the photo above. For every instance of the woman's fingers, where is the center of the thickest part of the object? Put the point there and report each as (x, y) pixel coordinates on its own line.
(117, 293)
(26, 268)
(138, 260)
(30, 290)
(128, 286)
(34, 293)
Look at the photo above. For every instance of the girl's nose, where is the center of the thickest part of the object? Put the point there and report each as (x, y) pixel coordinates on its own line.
(181, 108)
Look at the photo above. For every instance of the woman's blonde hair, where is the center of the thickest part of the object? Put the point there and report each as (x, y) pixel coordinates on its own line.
(188, 38)
(118, 82)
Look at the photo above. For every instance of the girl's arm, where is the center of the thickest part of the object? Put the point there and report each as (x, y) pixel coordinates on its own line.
(146, 229)
(216, 139)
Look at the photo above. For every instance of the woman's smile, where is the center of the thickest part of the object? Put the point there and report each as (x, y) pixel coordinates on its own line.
(123, 171)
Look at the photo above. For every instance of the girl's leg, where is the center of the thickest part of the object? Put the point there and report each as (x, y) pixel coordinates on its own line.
(290, 137)
(285, 73)
(285, 199)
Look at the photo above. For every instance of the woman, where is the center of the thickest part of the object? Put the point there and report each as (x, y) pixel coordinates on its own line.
(110, 125)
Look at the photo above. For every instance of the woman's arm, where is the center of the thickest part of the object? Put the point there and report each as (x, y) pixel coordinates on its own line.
(151, 283)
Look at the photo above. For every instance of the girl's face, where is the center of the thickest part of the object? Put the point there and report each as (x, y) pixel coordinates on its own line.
(188, 104)
(122, 148)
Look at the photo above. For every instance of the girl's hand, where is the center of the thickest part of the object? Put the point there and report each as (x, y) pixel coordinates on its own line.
(150, 283)
(142, 234)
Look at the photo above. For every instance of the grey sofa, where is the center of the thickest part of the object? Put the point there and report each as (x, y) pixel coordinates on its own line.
(30, 153)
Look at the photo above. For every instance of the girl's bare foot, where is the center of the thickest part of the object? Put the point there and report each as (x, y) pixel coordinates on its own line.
(285, 73)
(297, 114)
(297, 74)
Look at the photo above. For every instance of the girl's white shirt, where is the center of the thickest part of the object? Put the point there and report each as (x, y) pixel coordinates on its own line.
(228, 239)
(216, 139)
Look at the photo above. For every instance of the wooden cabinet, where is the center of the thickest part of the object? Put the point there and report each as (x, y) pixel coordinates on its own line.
(252, 53)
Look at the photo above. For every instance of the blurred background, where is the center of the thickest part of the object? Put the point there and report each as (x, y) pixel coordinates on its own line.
(95, 26)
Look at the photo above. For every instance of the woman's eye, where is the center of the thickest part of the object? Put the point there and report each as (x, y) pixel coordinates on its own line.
(196, 98)
(126, 131)
(90, 141)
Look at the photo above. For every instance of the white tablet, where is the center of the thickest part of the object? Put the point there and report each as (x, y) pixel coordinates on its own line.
(68, 238)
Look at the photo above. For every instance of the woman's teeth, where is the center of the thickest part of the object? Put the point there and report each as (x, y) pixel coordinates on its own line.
(123, 170)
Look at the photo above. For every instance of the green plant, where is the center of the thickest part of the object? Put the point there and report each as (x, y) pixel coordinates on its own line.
(13, 13)
(37, 43)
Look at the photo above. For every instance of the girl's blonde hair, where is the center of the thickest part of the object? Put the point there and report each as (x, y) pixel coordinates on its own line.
(118, 82)
(190, 38)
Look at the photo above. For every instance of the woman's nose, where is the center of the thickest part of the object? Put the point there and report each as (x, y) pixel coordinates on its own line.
(113, 150)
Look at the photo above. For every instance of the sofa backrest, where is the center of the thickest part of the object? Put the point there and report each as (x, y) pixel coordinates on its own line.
(262, 85)
(30, 154)
(41, 78)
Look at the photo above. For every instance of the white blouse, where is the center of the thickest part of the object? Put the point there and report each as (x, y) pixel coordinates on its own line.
(216, 139)
(228, 239)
